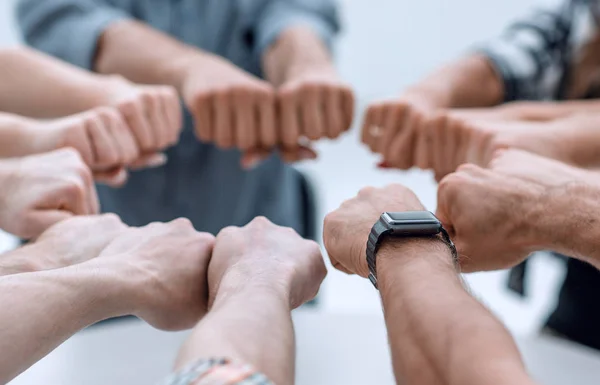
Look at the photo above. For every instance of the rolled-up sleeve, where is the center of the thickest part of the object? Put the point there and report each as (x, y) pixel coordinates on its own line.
(67, 29)
(278, 15)
(534, 55)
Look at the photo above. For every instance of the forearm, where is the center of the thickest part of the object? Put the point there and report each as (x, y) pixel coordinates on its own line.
(566, 221)
(547, 111)
(143, 54)
(468, 83)
(297, 50)
(17, 138)
(440, 334)
(41, 310)
(250, 324)
(34, 84)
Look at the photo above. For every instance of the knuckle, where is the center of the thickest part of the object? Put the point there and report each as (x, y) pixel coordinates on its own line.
(366, 191)
(182, 222)
(227, 232)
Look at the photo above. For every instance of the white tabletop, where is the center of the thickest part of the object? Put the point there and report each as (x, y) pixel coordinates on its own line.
(332, 350)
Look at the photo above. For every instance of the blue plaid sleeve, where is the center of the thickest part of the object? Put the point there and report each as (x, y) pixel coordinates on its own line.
(217, 372)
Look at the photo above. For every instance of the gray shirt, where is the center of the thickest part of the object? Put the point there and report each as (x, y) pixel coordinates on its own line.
(200, 181)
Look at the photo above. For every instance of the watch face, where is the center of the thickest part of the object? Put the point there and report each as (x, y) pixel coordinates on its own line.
(411, 217)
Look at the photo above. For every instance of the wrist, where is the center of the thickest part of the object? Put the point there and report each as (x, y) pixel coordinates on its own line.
(21, 260)
(125, 290)
(398, 258)
(235, 284)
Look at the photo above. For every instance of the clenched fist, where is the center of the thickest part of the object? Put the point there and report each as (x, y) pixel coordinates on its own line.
(165, 265)
(346, 230)
(231, 108)
(152, 113)
(265, 254)
(41, 190)
(493, 214)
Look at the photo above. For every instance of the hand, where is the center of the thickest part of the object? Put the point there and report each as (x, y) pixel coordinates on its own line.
(314, 104)
(265, 254)
(78, 239)
(347, 229)
(231, 108)
(166, 264)
(490, 213)
(153, 113)
(393, 129)
(42, 190)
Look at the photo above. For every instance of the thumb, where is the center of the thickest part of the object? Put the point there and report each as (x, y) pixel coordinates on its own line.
(42, 220)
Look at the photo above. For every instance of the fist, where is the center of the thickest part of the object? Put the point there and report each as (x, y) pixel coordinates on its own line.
(270, 255)
(166, 264)
(231, 108)
(488, 212)
(314, 104)
(347, 229)
(79, 239)
(42, 190)
(101, 136)
(152, 113)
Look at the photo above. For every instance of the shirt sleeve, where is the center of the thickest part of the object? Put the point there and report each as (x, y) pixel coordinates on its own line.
(67, 29)
(532, 57)
(278, 15)
(217, 372)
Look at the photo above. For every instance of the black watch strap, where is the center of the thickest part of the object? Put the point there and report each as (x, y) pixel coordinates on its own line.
(378, 231)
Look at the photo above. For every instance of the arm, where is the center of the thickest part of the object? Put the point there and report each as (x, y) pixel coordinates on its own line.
(37, 85)
(438, 333)
(235, 327)
(42, 310)
(468, 82)
(569, 225)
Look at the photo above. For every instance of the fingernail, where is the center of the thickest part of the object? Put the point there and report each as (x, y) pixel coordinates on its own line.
(383, 165)
(157, 160)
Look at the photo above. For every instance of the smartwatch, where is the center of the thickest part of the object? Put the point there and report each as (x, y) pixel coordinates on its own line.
(409, 224)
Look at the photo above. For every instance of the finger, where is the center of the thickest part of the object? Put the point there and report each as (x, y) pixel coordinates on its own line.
(122, 138)
(172, 112)
(136, 119)
(450, 150)
(438, 128)
(289, 118)
(114, 178)
(245, 122)
(334, 113)
(311, 105)
(374, 127)
(153, 112)
(152, 160)
(463, 135)
(224, 121)
(393, 117)
(423, 146)
(266, 116)
(105, 151)
(348, 108)
(204, 118)
(400, 152)
(298, 154)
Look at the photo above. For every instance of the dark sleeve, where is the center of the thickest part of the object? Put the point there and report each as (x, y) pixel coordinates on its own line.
(67, 29)
(278, 15)
(533, 55)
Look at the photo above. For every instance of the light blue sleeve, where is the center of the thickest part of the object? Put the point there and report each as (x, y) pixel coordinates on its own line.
(67, 29)
(277, 15)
